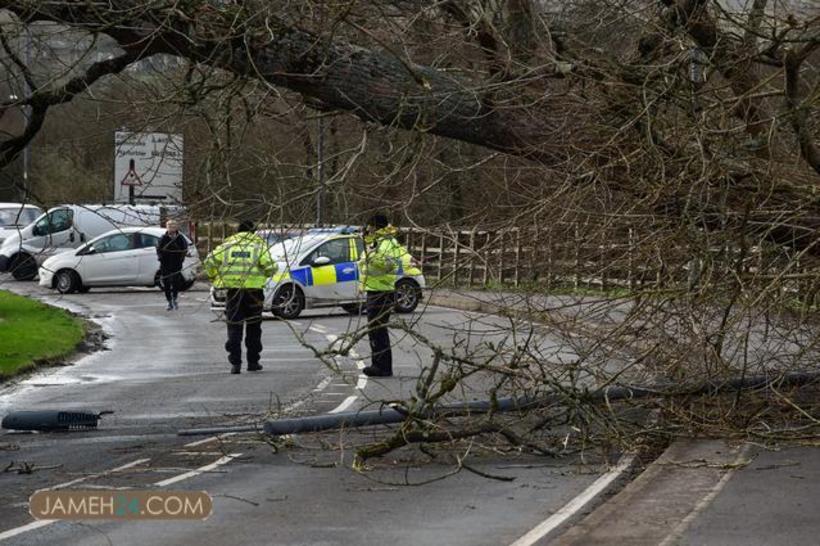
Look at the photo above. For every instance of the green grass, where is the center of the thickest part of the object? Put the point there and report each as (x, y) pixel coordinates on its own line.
(32, 333)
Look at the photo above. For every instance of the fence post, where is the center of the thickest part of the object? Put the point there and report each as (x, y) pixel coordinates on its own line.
(423, 250)
(631, 260)
(576, 282)
(486, 259)
(550, 279)
(602, 260)
(440, 254)
(473, 255)
(501, 249)
(534, 266)
(455, 259)
(517, 272)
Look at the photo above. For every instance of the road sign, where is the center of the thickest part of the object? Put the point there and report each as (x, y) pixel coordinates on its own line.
(147, 167)
(131, 177)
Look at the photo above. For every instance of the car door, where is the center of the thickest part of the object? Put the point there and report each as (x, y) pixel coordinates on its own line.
(146, 245)
(54, 230)
(334, 269)
(111, 260)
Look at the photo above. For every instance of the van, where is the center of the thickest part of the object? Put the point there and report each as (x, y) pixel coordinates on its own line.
(15, 216)
(66, 227)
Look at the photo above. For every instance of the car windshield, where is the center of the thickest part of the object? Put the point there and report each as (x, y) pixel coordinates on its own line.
(290, 249)
(11, 216)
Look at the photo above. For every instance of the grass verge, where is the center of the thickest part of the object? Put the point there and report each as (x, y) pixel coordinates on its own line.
(33, 333)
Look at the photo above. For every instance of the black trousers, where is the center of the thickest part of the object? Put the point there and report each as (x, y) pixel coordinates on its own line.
(243, 312)
(379, 307)
(171, 282)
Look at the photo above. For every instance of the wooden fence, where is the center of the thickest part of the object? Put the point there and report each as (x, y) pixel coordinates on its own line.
(574, 255)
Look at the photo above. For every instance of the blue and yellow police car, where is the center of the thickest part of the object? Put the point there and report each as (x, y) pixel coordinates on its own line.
(319, 269)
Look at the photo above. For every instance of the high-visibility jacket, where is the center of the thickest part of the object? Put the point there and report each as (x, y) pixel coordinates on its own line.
(242, 261)
(381, 261)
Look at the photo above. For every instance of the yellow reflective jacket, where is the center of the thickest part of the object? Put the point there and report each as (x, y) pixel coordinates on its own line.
(381, 261)
(242, 261)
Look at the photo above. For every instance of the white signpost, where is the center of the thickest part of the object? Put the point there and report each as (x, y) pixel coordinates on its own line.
(147, 167)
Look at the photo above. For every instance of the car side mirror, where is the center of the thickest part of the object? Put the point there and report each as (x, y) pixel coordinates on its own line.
(320, 261)
(87, 250)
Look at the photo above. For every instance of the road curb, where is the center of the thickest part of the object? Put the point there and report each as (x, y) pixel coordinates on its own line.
(659, 504)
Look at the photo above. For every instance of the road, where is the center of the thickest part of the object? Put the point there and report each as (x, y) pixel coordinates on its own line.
(165, 371)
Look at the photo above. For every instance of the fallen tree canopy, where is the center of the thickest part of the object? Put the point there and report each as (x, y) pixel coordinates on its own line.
(697, 112)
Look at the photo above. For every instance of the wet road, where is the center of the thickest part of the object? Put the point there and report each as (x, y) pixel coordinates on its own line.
(164, 371)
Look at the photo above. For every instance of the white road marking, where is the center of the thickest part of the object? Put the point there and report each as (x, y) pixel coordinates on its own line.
(683, 525)
(98, 475)
(38, 524)
(208, 440)
(319, 329)
(361, 383)
(25, 528)
(575, 505)
(346, 403)
(323, 384)
(193, 473)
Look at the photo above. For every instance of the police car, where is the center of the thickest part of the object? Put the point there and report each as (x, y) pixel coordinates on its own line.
(320, 270)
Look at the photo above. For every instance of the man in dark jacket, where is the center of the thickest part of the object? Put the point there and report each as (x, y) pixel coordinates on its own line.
(171, 252)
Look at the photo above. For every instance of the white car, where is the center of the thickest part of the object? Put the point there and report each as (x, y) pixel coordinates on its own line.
(120, 257)
(320, 270)
(14, 217)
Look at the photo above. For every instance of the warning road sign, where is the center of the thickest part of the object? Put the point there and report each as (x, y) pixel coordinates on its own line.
(131, 177)
(147, 167)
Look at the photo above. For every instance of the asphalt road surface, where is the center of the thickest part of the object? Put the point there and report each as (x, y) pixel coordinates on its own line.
(165, 371)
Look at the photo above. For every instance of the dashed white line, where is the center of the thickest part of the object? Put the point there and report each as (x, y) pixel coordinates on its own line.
(98, 475)
(323, 384)
(193, 473)
(45, 522)
(208, 440)
(575, 505)
(318, 329)
(346, 403)
(25, 528)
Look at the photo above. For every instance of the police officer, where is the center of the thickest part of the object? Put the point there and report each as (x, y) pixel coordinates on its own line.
(377, 276)
(242, 265)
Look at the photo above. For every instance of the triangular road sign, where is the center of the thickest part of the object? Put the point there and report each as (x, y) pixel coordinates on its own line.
(131, 178)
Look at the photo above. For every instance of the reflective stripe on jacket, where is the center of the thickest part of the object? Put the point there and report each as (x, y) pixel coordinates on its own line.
(381, 261)
(242, 261)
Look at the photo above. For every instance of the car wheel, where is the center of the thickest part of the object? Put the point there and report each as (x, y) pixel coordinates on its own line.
(158, 280)
(67, 281)
(354, 308)
(408, 295)
(24, 268)
(288, 302)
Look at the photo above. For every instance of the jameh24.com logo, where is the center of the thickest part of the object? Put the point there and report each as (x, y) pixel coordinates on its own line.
(82, 504)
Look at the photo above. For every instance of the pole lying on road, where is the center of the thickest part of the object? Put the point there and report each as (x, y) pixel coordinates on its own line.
(390, 415)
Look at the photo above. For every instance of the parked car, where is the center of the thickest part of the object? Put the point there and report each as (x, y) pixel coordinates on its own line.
(120, 257)
(321, 270)
(277, 235)
(69, 226)
(15, 216)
